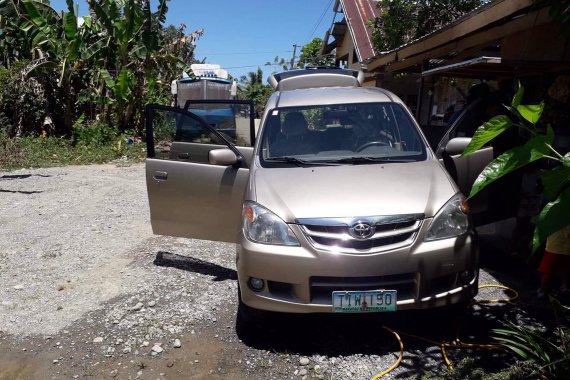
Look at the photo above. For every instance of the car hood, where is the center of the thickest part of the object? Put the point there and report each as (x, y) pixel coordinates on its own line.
(352, 190)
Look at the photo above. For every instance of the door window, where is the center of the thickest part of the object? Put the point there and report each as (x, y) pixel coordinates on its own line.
(176, 135)
(231, 118)
(189, 135)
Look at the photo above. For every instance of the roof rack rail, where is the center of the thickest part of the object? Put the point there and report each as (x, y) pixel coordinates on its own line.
(311, 77)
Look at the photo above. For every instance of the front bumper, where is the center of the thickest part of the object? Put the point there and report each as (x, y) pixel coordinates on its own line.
(302, 279)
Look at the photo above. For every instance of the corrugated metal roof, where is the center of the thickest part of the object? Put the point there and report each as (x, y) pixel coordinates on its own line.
(358, 13)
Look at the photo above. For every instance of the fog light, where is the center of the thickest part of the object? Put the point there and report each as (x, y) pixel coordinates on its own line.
(256, 284)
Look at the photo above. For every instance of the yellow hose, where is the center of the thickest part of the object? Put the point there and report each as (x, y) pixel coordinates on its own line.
(444, 354)
(400, 357)
(457, 343)
(500, 300)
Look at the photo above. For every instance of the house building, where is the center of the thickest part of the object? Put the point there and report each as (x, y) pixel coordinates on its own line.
(503, 40)
(350, 35)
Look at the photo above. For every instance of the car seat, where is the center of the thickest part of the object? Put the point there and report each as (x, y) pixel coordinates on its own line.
(295, 136)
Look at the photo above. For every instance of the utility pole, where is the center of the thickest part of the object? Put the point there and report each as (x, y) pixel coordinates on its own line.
(293, 59)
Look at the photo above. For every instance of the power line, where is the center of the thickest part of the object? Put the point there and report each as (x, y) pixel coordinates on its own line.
(243, 67)
(320, 20)
(245, 53)
(267, 64)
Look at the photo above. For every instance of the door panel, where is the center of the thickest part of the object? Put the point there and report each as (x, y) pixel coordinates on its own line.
(189, 197)
(467, 170)
(195, 200)
(193, 152)
(469, 167)
(493, 203)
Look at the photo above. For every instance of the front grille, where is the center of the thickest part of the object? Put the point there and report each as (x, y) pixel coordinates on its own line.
(362, 244)
(333, 234)
(323, 287)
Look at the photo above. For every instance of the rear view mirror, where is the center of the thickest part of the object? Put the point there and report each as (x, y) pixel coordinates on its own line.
(222, 157)
(457, 145)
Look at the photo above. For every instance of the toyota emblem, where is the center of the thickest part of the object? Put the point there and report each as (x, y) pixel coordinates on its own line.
(362, 230)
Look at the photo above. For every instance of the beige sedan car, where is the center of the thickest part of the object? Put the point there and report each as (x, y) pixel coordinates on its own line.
(336, 204)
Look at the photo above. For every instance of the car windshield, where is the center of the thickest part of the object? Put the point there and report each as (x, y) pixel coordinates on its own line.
(341, 134)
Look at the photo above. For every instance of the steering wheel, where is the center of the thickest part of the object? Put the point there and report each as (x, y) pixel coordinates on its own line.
(371, 143)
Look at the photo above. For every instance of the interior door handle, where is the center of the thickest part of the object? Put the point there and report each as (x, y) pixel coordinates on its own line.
(184, 156)
(160, 176)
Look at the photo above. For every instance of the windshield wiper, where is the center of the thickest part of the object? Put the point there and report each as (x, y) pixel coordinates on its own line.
(299, 161)
(367, 159)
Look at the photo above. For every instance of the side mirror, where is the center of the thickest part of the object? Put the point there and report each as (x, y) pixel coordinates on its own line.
(222, 157)
(457, 145)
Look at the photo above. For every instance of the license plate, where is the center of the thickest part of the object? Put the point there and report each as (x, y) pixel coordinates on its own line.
(370, 301)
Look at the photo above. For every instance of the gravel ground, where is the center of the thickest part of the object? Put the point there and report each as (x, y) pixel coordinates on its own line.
(86, 290)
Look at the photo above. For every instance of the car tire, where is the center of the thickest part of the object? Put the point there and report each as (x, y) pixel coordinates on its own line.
(249, 314)
(247, 318)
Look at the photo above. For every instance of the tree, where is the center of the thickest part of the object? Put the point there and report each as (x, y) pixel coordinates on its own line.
(106, 65)
(14, 38)
(58, 38)
(251, 87)
(128, 54)
(279, 62)
(137, 57)
(402, 21)
(538, 146)
(311, 55)
(28, 78)
(175, 40)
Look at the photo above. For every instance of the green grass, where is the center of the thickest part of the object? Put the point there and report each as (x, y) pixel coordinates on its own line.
(36, 152)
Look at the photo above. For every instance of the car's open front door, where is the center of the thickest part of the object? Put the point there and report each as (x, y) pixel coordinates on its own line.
(196, 178)
(464, 171)
(494, 203)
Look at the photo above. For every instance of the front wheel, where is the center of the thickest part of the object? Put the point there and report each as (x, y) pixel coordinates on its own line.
(247, 316)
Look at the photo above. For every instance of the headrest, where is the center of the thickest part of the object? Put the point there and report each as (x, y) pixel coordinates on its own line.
(294, 124)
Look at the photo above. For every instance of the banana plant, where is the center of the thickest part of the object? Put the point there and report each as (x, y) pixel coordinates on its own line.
(15, 38)
(128, 55)
(114, 56)
(539, 146)
(59, 38)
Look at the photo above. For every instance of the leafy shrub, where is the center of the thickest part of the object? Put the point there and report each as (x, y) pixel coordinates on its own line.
(23, 100)
(539, 145)
(94, 133)
(467, 369)
(33, 152)
(549, 351)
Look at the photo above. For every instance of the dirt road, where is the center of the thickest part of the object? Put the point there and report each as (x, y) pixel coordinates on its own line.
(87, 291)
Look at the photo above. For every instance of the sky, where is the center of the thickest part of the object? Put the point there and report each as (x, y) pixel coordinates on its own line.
(242, 35)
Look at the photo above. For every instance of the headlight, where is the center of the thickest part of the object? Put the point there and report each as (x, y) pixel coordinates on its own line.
(262, 226)
(450, 221)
